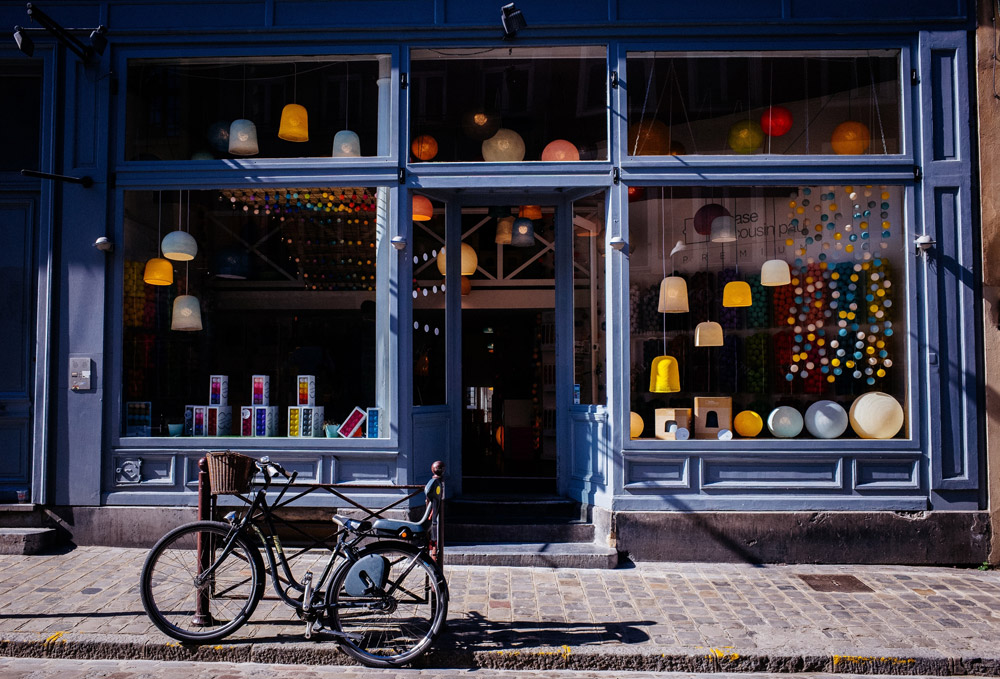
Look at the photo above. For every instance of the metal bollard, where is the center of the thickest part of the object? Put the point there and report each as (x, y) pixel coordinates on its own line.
(437, 532)
(202, 615)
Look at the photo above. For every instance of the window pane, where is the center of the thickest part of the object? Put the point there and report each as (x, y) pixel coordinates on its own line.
(429, 349)
(21, 83)
(835, 331)
(282, 285)
(588, 305)
(292, 108)
(509, 104)
(839, 103)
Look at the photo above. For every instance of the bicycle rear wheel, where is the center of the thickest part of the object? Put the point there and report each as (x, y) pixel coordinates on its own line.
(397, 624)
(189, 610)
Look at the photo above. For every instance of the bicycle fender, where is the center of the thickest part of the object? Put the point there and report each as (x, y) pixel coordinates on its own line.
(367, 576)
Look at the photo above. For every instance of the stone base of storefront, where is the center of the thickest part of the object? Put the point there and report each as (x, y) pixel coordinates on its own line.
(913, 538)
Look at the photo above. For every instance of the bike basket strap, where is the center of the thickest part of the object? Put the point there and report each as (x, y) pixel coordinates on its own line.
(229, 473)
(367, 576)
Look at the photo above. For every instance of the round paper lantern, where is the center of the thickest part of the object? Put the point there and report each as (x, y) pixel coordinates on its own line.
(346, 144)
(243, 138)
(294, 124)
(636, 193)
(424, 147)
(707, 214)
(776, 121)
(480, 124)
(745, 136)
(506, 146)
(876, 415)
(785, 422)
(850, 138)
(648, 138)
(826, 419)
(748, 424)
(635, 425)
(179, 246)
(469, 260)
(560, 150)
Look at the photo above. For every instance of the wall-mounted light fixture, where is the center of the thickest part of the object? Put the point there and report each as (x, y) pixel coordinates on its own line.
(104, 244)
(398, 242)
(618, 243)
(97, 36)
(512, 20)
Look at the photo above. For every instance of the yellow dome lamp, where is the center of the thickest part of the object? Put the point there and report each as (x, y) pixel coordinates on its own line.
(469, 263)
(158, 270)
(294, 125)
(664, 377)
(737, 294)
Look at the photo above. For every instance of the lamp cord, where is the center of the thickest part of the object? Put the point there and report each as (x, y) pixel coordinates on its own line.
(663, 261)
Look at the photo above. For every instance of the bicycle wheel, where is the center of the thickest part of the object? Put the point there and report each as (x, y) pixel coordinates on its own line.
(205, 611)
(397, 624)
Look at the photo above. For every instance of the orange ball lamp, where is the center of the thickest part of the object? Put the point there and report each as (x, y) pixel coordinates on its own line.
(649, 138)
(850, 138)
(560, 150)
(424, 147)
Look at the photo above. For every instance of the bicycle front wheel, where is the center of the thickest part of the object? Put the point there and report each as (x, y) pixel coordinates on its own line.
(189, 606)
(397, 623)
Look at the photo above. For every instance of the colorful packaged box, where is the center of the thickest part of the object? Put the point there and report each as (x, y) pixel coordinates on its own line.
(220, 421)
(352, 425)
(218, 390)
(246, 421)
(305, 421)
(260, 390)
(196, 420)
(306, 390)
(373, 421)
(265, 420)
(138, 418)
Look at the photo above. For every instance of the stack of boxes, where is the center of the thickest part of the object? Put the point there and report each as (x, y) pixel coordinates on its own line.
(214, 419)
(305, 419)
(260, 418)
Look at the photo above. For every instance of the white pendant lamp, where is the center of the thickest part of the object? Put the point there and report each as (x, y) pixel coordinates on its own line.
(187, 314)
(723, 229)
(775, 272)
(178, 245)
(505, 229)
(346, 144)
(708, 334)
(243, 138)
(506, 146)
(673, 296)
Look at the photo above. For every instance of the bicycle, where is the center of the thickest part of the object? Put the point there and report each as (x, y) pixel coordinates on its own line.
(384, 602)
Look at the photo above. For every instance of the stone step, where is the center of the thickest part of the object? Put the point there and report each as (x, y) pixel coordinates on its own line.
(512, 508)
(23, 516)
(472, 530)
(26, 540)
(539, 554)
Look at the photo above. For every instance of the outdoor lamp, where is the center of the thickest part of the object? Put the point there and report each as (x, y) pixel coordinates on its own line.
(346, 144)
(775, 272)
(187, 313)
(524, 233)
(737, 294)
(512, 20)
(243, 138)
(24, 42)
(708, 334)
(294, 125)
(179, 246)
(673, 296)
(158, 272)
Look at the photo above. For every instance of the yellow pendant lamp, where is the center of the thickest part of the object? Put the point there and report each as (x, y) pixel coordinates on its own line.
(664, 375)
(294, 125)
(158, 270)
(737, 294)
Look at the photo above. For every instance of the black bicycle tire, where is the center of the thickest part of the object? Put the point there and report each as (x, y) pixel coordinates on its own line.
(162, 621)
(439, 610)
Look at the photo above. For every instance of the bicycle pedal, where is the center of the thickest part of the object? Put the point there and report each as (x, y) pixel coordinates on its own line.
(313, 627)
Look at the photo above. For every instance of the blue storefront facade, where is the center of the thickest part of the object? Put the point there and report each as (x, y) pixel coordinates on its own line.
(718, 280)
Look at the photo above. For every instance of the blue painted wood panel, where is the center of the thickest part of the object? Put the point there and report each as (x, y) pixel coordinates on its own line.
(753, 473)
(874, 475)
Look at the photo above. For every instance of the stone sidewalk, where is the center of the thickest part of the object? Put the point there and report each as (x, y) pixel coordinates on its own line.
(650, 617)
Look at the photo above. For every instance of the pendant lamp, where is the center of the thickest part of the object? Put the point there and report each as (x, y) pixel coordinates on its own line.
(506, 146)
(737, 294)
(723, 229)
(424, 147)
(708, 334)
(187, 314)
(294, 125)
(346, 144)
(530, 212)
(421, 208)
(673, 296)
(775, 272)
(469, 260)
(243, 138)
(179, 245)
(158, 272)
(480, 124)
(524, 233)
(664, 375)
(505, 229)
(560, 150)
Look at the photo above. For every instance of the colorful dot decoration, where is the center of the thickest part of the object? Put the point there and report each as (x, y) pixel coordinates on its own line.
(838, 309)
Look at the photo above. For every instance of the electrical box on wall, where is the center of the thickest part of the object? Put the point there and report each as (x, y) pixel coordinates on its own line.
(79, 373)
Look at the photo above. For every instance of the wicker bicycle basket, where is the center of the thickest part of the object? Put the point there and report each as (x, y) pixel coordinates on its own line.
(229, 473)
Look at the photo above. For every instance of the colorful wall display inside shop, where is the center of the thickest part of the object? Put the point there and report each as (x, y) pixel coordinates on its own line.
(795, 352)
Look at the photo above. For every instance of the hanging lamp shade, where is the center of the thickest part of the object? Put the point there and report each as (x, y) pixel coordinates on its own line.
(664, 375)
(708, 334)
(745, 136)
(506, 146)
(635, 425)
(673, 296)
(737, 294)
(466, 286)
(470, 260)
(775, 272)
(505, 229)
(231, 263)
(560, 150)
(850, 138)
(524, 233)
(158, 272)
(706, 215)
(179, 246)
(243, 138)
(530, 212)
(424, 147)
(346, 144)
(723, 229)
(187, 314)
(480, 124)
(294, 125)
(421, 208)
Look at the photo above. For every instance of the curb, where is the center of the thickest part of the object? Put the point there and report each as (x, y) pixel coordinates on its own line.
(107, 647)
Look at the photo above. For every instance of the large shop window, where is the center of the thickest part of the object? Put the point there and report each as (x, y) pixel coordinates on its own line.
(768, 312)
(509, 104)
(204, 109)
(805, 103)
(253, 312)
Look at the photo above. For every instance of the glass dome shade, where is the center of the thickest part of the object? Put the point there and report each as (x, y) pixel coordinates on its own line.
(179, 246)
